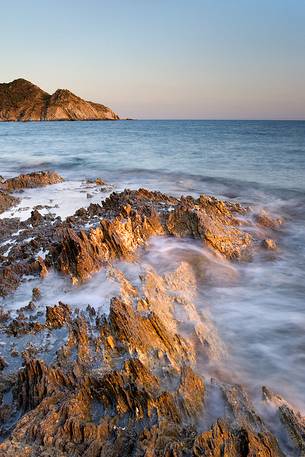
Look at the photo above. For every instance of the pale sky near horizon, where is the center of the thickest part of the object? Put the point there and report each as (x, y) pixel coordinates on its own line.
(206, 59)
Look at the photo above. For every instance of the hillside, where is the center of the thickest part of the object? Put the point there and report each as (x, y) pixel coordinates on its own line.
(20, 100)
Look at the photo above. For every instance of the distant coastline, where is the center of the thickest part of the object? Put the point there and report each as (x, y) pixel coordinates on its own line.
(23, 101)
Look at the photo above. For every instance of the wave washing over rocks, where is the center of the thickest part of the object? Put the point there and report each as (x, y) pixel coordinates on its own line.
(102, 354)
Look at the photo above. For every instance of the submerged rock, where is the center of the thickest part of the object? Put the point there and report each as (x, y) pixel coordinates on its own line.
(264, 219)
(269, 244)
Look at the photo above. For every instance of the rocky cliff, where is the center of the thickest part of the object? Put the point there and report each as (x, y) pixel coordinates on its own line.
(20, 100)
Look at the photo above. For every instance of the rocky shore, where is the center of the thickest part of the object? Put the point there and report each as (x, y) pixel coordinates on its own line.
(133, 381)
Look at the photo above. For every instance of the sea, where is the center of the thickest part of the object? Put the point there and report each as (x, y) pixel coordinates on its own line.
(260, 314)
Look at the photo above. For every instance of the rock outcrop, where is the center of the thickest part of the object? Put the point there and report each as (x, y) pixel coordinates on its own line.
(293, 424)
(128, 384)
(20, 100)
(130, 377)
(129, 219)
(30, 180)
(118, 227)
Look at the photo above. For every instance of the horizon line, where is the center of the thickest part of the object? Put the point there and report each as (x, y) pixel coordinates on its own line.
(214, 119)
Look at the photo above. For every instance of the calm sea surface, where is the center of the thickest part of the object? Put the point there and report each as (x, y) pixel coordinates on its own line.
(261, 316)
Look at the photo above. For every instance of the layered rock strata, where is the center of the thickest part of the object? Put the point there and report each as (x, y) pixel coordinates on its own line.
(133, 381)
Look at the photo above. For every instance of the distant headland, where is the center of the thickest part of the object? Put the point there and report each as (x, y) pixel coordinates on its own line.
(21, 100)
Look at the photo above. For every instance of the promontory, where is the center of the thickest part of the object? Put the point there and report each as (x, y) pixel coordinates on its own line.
(20, 100)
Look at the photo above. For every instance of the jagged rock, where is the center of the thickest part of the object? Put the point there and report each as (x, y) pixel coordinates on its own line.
(43, 269)
(144, 334)
(36, 218)
(131, 382)
(130, 218)
(82, 254)
(29, 307)
(129, 386)
(225, 440)
(20, 100)
(292, 421)
(11, 275)
(58, 315)
(20, 326)
(210, 220)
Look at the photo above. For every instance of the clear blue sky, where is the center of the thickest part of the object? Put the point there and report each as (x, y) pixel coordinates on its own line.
(163, 58)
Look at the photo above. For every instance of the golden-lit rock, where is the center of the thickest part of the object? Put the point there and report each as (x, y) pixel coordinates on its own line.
(20, 100)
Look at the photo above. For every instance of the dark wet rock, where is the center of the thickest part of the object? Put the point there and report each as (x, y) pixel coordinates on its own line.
(8, 226)
(14, 352)
(91, 215)
(40, 207)
(36, 218)
(20, 327)
(9, 280)
(4, 314)
(28, 308)
(7, 201)
(26, 243)
(10, 276)
(91, 311)
(3, 363)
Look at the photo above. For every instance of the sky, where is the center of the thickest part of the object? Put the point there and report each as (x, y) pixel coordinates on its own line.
(163, 59)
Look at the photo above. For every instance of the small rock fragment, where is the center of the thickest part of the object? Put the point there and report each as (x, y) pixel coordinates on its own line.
(269, 244)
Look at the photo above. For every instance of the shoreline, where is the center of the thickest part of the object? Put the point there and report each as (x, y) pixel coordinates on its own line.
(129, 366)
